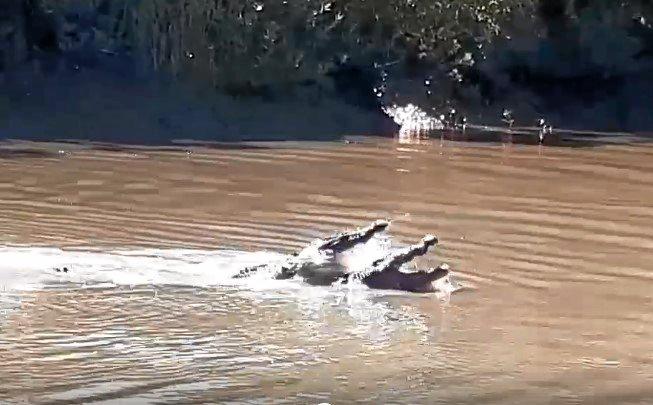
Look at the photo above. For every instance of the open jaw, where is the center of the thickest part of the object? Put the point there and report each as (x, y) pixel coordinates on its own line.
(353, 258)
(317, 264)
(433, 280)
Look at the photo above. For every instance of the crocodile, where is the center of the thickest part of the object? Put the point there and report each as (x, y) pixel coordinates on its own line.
(383, 273)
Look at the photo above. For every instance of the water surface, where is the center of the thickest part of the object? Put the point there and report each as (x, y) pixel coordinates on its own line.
(552, 245)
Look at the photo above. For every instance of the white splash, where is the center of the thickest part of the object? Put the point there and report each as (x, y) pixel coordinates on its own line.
(29, 268)
(25, 268)
(411, 118)
(32, 268)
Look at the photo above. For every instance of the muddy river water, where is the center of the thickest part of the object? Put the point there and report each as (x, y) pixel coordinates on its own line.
(552, 245)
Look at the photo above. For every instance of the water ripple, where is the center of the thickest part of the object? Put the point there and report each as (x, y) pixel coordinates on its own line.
(551, 244)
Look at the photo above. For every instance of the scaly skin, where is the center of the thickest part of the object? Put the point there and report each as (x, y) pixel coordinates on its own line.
(419, 281)
(384, 273)
(338, 243)
(394, 261)
(343, 241)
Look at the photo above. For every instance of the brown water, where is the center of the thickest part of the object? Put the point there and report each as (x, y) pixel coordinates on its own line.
(553, 246)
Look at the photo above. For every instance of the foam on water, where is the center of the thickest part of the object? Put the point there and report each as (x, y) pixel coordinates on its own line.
(363, 255)
(25, 268)
(34, 268)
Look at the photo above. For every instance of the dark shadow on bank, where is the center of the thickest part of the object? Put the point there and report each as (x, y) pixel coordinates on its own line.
(40, 103)
(140, 73)
(115, 109)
